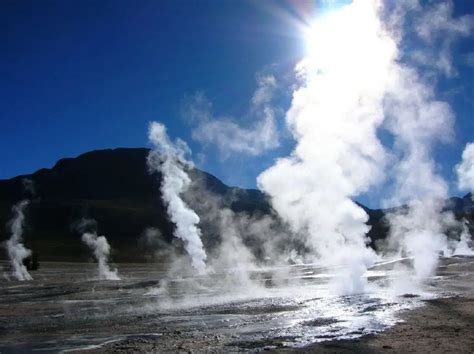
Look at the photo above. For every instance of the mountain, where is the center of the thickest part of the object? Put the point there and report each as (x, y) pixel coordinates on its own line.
(115, 188)
(461, 206)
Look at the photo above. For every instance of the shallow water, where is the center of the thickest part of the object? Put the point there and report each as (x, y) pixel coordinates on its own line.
(64, 308)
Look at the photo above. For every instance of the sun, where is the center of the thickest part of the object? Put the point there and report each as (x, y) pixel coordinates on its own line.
(350, 44)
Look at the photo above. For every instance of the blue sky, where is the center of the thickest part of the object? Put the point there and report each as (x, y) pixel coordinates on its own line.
(84, 75)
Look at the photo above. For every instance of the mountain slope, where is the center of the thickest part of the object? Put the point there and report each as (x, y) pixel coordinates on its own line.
(115, 188)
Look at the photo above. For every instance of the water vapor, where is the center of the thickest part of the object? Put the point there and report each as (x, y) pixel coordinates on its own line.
(438, 29)
(100, 249)
(419, 122)
(334, 117)
(17, 252)
(465, 178)
(226, 133)
(463, 246)
(465, 170)
(168, 158)
(357, 80)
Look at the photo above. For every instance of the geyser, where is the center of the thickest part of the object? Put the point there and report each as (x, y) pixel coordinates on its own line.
(17, 252)
(334, 117)
(418, 123)
(168, 158)
(100, 249)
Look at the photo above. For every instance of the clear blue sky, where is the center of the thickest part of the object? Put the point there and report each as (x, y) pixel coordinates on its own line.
(83, 75)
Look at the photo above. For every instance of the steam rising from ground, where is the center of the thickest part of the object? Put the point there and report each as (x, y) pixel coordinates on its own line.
(354, 83)
(243, 251)
(100, 249)
(169, 159)
(465, 174)
(463, 247)
(334, 117)
(465, 170)
(17, 252)
(418, 122)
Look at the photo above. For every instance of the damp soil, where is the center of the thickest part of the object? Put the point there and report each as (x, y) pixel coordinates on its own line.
(440, 326)
(443, 325)
(65, 309)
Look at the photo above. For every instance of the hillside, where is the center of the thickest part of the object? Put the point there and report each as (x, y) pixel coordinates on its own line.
(115, 188)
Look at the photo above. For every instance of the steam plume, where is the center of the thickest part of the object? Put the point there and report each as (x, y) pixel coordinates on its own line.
(465, 174)
(169, 158)
(354, 80)
(462, 247)
(465, 170)
(418, 122)
(334, 117)
(16, 250)
(100, 249)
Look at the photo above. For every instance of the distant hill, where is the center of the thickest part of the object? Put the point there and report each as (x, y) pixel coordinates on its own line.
(115, 188)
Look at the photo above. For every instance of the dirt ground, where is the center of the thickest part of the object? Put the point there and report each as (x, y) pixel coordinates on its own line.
(63, 309)
(442, 326)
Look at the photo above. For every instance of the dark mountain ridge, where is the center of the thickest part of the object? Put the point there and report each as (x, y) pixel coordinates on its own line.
(115, 188)
(112, 186)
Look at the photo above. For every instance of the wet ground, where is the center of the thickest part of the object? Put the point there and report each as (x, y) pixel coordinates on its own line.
(64, 308)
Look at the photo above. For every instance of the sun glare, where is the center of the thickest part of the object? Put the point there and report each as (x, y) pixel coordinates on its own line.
(349, 42)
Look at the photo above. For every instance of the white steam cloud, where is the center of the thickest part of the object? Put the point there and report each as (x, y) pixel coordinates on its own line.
(465, 169)
(169, 158)
(100, 249)
(227, 134)
(436, 24)
(418, 122)
(17, 252)
(354, 84)
(334, 117)
(462, 247)
(465, 175)
(419, 231)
